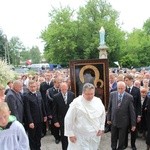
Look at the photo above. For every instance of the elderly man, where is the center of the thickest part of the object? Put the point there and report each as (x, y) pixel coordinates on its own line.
(15, 101)
(61, 102)
(120, 114)
(85, 120)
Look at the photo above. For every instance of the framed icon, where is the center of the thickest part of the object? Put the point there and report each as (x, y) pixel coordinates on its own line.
(94, 71)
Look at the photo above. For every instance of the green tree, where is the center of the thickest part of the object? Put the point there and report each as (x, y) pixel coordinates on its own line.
(15, 46)
(35, 54)
(146, 26)
(95, 14)
(25, 55)
(6, 74)
(60, 37)
(3, 43)
(137, 49)
(68, 37)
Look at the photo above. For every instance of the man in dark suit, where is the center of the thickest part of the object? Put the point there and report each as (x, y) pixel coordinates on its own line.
(60, 107)
(120, 115)
(50, 97)
(148, 123)
(35, 115)
(43, 88)
(15, 101)
(135, 92)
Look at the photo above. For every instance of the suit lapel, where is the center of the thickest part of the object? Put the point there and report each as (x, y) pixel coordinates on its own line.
(61, 95)
(18, 96)
(116, 99)
(68, 98)
(124, 98)
(132, 90)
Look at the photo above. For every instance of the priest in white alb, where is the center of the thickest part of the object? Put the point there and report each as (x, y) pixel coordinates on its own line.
(85, 120)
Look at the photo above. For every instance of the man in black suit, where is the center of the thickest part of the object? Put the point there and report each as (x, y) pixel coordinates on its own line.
(135, 92)
(15, 101)
(120, 115)
(35, 115)
(60, 107)
(43, 88)
(50, 97)
(48, 83)
(148, 123)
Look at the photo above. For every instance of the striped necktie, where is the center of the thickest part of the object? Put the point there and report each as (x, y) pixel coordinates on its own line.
(65, 98)
(119, 100)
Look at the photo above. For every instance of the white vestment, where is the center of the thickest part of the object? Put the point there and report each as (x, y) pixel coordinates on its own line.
(83, 120)
(14, 138)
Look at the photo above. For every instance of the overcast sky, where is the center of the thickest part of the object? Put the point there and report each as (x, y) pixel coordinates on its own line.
(27, 18)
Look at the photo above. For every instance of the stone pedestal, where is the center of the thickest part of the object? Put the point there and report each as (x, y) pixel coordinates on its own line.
(102, 51)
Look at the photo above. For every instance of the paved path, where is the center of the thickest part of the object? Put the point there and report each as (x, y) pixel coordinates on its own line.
(48, 143)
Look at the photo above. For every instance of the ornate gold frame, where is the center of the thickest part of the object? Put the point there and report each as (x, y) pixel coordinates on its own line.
(100, 70)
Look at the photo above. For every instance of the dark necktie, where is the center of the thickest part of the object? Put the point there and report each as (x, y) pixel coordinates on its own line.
(129, 89)
(35, 94)
(57, 90)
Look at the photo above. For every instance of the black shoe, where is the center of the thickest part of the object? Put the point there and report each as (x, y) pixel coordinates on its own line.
(134, 148)
(124, 147)
(57, 141)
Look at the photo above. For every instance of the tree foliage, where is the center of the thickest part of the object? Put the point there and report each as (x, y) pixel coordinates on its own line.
(18, 52)
(146, 26)
(95, 14)
(25, 55)
(35, 54)
(6, 74)
(75, 35)
(15, 47)
(3, 42)
(15, 52)
(60, 37)
(137, 50)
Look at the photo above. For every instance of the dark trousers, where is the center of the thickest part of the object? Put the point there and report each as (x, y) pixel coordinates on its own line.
(148, 129)
(118, 137)
(44, 127)
(35, 136)
(133, 137)
(64, 139)
(54, 130)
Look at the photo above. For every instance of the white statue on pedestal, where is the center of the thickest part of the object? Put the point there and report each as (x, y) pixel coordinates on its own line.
(102, 36)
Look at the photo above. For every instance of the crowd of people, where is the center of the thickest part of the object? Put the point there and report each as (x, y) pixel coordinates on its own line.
(33, 104)
(39, 103)
(127, 118)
